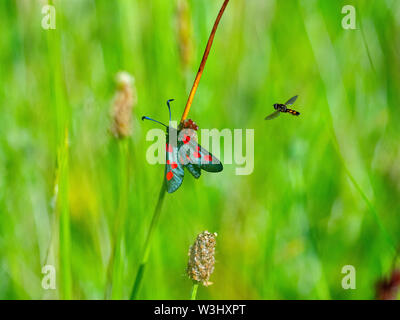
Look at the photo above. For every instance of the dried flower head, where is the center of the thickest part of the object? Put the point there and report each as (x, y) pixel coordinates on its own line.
(388, 288)
(124, 101)
(189, 124)
(202, 258)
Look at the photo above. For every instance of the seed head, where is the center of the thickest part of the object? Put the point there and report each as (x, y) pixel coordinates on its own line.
(202, 258)
(388, 288)
(124, 101)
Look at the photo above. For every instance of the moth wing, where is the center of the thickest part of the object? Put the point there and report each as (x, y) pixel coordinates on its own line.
(194, 169)
(198, 158)
(187, 157)
(174, 172)
(207, 161)
(291, 100)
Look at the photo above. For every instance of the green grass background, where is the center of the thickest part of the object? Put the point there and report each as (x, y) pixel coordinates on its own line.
(325, 188)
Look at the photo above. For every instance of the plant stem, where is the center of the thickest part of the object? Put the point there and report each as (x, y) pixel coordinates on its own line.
(203, 62)
(61, 118)
(156, 214)
(194, 290)
(64, 231)
(363, 195)
(146, 252)
(114, 272)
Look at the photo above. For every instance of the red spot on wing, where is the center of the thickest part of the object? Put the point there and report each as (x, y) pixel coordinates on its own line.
(186, 139)
(169, 175)
(197, 155)
(173, 164)
(208, 157)
(169, 148)
(198, 148)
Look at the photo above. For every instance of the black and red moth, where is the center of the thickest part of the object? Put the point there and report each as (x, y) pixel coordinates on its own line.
(183, 151)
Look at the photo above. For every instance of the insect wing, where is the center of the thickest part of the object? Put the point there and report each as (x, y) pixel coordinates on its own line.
(196, 158)
(291, 100)
(273, 115)
(194, 169)
(204, 159)
(186, 154)
(173, 169)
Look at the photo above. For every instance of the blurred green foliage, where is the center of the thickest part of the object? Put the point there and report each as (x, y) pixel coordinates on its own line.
(325, 188)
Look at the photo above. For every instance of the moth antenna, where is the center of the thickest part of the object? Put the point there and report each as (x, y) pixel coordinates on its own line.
(147, 118)
(169, 108)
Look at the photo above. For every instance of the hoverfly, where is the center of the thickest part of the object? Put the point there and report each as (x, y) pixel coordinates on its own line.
(283, 108)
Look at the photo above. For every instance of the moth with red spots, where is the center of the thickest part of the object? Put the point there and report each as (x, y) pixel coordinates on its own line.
(183, 151)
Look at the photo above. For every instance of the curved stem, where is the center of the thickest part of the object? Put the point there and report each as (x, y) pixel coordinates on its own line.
(203, 62)
(147, 245)
(157, 211)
